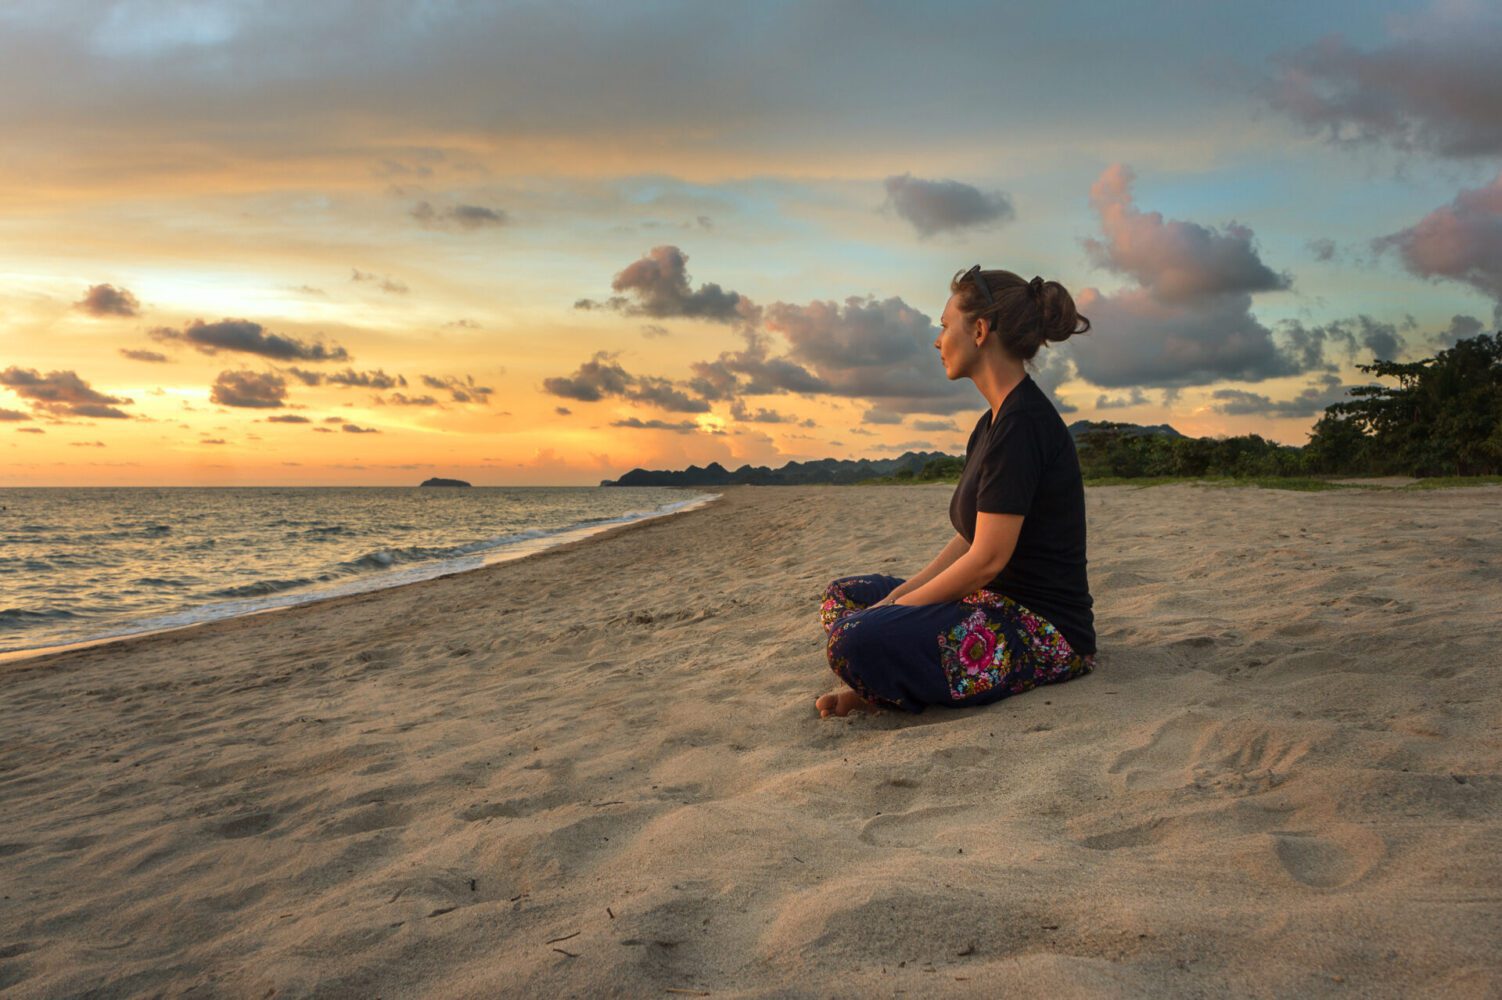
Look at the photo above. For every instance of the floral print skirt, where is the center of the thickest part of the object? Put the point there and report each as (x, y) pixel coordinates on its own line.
(979, 649)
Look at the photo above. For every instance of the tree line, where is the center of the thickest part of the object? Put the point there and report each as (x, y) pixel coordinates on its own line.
(1443, 418)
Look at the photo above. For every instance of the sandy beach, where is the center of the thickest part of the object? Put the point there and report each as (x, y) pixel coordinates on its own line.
(598, 771)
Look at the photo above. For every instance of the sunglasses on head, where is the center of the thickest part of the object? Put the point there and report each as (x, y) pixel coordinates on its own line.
(974, 273)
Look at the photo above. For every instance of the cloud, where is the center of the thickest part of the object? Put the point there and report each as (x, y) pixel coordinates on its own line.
(876, 415)
(107, 300)
(1461, 241)
(753, 372)
(7, 415)
(402, 399)
(62, 394)
(1313, 399)
(740, 411)
(562, 411)
(213, 441)
(1435, 88)
(143, 355)
(356, 429)
(30, 430)
(1177, 261)
(458, 216)
(1322, 248)
(1461, 328)
(287, 418)
(349, 378)
(1104, 402)
(934, 425)
(1188, 321)
(871, 349)
(1357, 339)
(464, 390)
(684, 427)
(249, 389)
(246, 337)
(603, 376)
(937, 206)
(650, 330)
(1146, 342)
(657, 285)
(382, 282)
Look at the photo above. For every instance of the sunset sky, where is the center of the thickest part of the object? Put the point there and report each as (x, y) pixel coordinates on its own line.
(546, 243)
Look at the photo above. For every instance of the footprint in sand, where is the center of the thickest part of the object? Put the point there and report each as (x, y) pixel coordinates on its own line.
(1330, 860)
(1231, 757)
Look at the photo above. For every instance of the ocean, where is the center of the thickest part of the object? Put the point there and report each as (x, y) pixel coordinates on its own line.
(82, 564)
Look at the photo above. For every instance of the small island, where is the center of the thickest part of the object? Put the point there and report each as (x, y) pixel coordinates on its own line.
(443, 482)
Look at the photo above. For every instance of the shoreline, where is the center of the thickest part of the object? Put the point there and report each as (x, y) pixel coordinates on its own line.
(20, 658)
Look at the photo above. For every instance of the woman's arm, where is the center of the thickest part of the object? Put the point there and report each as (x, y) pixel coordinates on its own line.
(995, 541)
(957, 547)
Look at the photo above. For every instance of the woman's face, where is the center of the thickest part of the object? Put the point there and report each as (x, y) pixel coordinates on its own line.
(956, 341)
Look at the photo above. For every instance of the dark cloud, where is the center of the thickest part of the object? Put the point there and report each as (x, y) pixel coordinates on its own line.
(107, 300)
(356, 429)
(464, 390)
(562, 411)
(1357, 339)
(1436, 88)
(6, 415)
(382, 282)
(1178, 262)
(213, 441)
(740, 411)
(246, 337)
(662, 393)
(603, 376)
(650, 330)
(1461, 328)
(684, 427)
(934, 425)
(1104, 402)
(937, 206)
(249, 389)
(876, 415)
(1326, 389)
(287, 418)
(143, 355)
(458, 216)
(86, 444)
(402, 399)
(30, 430)
(1461, 241)
(349, 378)
(62, 394)
(752, 372)
(657, 285)
(881, 350)
(1322, 248)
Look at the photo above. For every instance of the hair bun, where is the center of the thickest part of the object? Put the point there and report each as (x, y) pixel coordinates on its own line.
(1035, 287)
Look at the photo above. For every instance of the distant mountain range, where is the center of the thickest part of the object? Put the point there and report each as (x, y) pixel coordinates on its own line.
(835, 470)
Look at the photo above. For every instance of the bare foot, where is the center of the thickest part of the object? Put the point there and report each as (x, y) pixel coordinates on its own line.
(843, 704)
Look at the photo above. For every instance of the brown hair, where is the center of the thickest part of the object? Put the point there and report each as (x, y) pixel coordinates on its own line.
(1025, 314)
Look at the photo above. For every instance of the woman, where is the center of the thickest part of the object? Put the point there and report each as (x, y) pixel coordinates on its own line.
(1005, 606)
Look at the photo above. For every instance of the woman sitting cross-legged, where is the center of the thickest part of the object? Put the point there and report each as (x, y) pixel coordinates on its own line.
(1005, 606)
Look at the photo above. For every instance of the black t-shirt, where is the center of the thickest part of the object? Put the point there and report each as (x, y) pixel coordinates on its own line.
(1026, 464)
